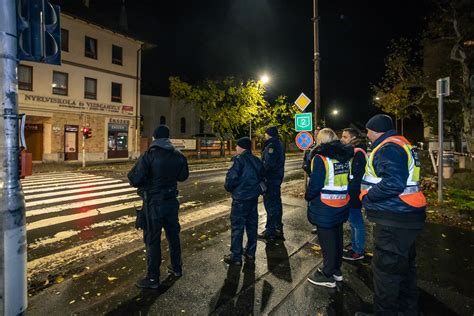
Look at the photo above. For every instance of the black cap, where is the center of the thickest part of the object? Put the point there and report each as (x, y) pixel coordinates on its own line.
(272, 131)
(161, 131)
(245, 143)
(380, 123)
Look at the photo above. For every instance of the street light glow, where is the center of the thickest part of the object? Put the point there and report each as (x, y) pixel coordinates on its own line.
(377, 98)
(265, 79)
(335, 112)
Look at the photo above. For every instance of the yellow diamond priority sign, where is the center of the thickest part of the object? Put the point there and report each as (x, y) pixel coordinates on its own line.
(302, 102)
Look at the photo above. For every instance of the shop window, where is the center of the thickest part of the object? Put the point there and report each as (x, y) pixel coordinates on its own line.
(91, 47)
(162, 120)
(60, 83)
(183, 125)
(25, 77)
(117, 55)
(116, 92)
(64, 40)
(90, 88)
(117, 141)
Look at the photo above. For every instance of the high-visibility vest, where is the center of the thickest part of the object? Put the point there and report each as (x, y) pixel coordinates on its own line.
(412, 194)
(334, 193)
(356, 150)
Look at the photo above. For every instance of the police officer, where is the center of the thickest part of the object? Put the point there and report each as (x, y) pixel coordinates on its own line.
(243, 181)
(156, 174)
(273, 158)
(393, 200)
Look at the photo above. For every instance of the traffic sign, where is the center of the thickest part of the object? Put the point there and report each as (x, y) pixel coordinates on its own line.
(304, 122)
(304, 140)
(303, 101)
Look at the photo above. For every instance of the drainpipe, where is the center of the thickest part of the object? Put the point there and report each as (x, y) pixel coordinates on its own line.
(137, 104)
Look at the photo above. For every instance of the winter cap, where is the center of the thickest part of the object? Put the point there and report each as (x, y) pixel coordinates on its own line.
(380, 123)
(161, 131)
(272, 131)
(245, 143)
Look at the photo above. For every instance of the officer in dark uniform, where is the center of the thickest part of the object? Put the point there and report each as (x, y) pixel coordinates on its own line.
(243, 181)
(156, 174)
(273, 158)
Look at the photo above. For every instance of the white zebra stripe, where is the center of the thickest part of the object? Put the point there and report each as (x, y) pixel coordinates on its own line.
(91, 213)
(62, 207)
(85, 188)
(77, 197)
(35, 183)
(51, 175)
(81, 184)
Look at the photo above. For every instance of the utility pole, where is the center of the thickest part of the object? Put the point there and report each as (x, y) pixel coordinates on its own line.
(13, 297)
(317, 85)
(442, 90)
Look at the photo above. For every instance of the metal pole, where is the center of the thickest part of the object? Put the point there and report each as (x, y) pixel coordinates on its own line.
(250, 132)
(440, 151)
(13, 293)
(317, 86)
(83, 150)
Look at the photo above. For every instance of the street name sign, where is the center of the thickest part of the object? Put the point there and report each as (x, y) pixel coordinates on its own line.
(302, 102)
(304, 122)
(304, 140)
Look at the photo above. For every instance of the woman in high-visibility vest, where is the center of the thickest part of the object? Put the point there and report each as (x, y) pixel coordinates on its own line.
(328, 202)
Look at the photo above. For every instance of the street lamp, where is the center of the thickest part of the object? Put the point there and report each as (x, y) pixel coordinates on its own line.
(335, 112)
(265, 79)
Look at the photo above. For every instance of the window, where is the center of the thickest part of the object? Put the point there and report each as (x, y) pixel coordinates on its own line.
(60, 83)
(90, 88)
(64, 40)
(117, 53)
(183, 125)
(162, 120)
(91, 47)
(201, 126)
(25, 77)
(116, 92)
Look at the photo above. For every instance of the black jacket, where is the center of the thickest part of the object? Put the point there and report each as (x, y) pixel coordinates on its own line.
(319, 213)
(273, 158)
(159, 169)
(244, 177)
(358, 170)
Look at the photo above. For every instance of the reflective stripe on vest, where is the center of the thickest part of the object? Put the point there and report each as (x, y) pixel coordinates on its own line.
(334, 193)
(357, 150)
(412, 194)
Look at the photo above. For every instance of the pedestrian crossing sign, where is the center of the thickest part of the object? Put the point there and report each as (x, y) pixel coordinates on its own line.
(302, 102)
(304, 122)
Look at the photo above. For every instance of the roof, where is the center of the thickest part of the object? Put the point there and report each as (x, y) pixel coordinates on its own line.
(77, 10)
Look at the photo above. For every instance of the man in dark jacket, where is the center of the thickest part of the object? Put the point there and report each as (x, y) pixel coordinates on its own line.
(243, 181)
(156, 174)
(357, 248)
(273, 158)
(392, 198)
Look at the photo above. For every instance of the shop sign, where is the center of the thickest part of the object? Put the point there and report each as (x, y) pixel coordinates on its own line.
(184, 144)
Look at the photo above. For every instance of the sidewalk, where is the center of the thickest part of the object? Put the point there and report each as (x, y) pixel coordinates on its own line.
(275, 285)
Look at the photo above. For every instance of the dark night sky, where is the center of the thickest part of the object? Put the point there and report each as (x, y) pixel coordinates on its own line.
(244, 38)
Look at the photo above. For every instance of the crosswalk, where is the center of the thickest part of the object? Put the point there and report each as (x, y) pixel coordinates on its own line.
(61, 207)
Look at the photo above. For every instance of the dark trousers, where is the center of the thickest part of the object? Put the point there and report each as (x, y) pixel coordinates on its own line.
(273, 207)
(243, 217)
(163, 214)
(394, 271)
(331, 240)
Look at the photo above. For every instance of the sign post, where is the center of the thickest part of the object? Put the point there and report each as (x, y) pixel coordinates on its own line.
(442, 89)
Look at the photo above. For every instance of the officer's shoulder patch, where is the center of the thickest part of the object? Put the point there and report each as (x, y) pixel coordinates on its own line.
(270, 150)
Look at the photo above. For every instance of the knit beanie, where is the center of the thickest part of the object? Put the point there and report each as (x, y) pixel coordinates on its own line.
(245, 143)
(161, 131)
(380, 123)
(272, 131)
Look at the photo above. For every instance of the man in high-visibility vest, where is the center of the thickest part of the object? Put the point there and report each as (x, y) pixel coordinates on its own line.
(391, 195)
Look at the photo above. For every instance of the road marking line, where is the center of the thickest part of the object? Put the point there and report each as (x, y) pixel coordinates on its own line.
(83, 189)
(52, 175)
(81, 184)
(29, 184)
(76, 205)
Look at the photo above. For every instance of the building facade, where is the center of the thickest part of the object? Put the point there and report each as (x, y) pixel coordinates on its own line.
(97, 86)
(182, 118)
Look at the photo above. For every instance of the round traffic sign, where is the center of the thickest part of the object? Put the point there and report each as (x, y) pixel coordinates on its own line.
(304, 140)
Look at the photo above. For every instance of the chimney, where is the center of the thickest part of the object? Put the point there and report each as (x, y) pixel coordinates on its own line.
(123, 18)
